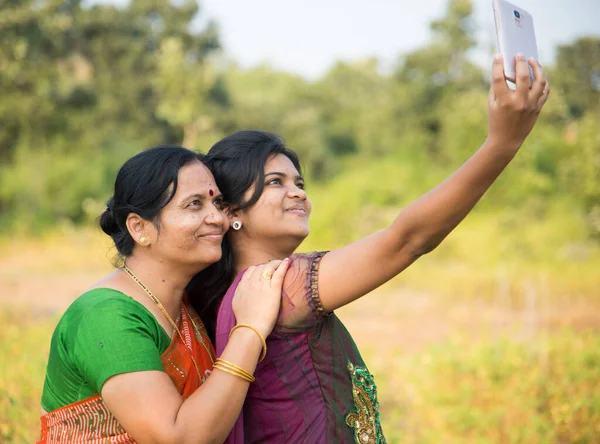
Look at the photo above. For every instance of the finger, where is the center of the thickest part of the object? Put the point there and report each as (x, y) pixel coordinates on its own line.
(249, 274)
(491, 96)
(499, 87)
(272, 265)
(261, 272)
(523, 79)
(542, 101)
(539, 83)
(279, 274)
(267, 270)
(257, 272)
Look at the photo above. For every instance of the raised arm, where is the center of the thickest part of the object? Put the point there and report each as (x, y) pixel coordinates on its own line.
(352, 271)
(149, 407)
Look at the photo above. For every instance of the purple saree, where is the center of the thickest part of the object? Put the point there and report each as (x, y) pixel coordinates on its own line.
(313, 386)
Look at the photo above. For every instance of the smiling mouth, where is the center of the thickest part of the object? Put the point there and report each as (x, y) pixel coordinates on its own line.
(212, 236)
(301, 211)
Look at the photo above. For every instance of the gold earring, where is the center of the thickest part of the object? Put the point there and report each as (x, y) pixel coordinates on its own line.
(144, 240)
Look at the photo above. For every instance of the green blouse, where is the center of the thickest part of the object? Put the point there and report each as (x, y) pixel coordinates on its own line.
(102, 334)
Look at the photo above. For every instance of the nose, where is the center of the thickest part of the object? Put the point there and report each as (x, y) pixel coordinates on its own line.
(216, 217)
(296, 192)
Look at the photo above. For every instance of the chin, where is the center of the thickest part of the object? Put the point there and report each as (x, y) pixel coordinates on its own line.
(210, 257)
(301, 234)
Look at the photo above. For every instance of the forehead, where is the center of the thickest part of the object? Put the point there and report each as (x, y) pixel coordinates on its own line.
(195, 178)
(281, 164)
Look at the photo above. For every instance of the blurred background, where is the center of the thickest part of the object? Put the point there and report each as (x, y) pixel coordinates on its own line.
(492, 338)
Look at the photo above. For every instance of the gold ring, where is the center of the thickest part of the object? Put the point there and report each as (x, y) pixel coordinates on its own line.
(267, 275)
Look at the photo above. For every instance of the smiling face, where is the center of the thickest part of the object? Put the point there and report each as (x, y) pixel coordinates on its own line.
(191, 226)
(281, 213)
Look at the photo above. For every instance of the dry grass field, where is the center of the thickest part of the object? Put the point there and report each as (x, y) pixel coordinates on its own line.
(512, 358)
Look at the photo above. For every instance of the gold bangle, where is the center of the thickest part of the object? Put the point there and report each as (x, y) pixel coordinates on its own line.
(231, 364)
(233, 372)
(262, 339)
(234, 367)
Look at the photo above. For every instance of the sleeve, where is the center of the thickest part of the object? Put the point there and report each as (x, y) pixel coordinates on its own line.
(115, 337)
(301, 307)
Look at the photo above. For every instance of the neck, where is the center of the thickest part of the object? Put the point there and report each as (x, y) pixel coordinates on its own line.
(248, 253)
(166, 282)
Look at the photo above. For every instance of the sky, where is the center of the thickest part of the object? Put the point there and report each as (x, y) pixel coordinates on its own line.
(307, 37)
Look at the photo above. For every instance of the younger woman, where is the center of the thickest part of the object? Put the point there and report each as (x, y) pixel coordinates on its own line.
(314, 387)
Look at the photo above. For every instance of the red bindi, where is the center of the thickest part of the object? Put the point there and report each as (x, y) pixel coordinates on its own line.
(211, 193)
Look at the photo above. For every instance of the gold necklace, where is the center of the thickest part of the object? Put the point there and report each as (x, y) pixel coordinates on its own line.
(173, 324)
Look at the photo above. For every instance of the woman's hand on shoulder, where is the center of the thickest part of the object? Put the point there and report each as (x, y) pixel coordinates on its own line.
(258, 296)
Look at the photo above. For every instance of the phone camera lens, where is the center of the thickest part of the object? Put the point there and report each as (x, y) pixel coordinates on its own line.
(517, 15)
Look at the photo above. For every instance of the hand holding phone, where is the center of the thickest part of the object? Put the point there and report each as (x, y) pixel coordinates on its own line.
(512, 112)
(515, 34)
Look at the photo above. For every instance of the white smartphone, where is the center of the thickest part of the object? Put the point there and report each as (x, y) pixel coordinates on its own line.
(515, 33)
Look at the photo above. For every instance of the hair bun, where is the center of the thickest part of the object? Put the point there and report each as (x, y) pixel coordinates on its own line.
(108, 222)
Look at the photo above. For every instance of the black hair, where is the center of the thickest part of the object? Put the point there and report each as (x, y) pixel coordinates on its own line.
(145, 184)
(237, 163)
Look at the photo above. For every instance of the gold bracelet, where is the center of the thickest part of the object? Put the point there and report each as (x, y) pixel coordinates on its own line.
(233, 372)
(234, 367)
(262, 339)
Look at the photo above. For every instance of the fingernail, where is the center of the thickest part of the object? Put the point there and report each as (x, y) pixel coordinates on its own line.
(287, 259)
(520, 56)
(497, 58)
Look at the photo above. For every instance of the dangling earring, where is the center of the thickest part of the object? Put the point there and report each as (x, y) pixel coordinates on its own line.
(144, 240)
(237, 225)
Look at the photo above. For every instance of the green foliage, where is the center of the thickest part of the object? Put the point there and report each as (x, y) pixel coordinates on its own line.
(578, 74)
(84, 88)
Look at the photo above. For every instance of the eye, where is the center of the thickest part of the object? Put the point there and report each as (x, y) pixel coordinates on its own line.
(274, 182)
(219, 203)
(194, 203)
(300, 185)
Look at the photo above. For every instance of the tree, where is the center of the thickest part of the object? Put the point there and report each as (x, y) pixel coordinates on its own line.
(79, 97)
(441, 70)
(577, 74)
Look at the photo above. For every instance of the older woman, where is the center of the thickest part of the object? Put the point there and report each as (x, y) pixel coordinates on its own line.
(130, 360)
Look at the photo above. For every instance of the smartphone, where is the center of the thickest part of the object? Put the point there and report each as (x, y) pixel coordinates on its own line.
(514, 33)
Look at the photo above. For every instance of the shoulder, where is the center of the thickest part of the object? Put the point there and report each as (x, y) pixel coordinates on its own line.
(101, 297)
(308, 257)
(102, 308)
(303, 266)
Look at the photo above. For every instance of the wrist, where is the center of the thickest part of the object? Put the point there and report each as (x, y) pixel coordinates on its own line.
(248, 337)
(258, 336)
(502, 146)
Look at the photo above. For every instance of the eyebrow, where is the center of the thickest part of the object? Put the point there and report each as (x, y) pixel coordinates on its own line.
(201, 197)
(280, 174)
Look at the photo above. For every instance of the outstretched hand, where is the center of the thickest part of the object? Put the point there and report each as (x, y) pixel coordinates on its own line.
(512, 114)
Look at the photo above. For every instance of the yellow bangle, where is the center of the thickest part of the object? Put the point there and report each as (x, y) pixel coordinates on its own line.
(237, 368)
(233, 372)
(262, 339)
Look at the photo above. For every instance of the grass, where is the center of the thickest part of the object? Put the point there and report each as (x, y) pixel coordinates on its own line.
(495, 391)
(487, 390)
(24, 343)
